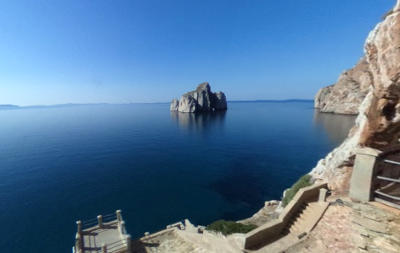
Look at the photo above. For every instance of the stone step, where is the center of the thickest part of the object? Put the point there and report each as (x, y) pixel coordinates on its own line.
(301, 223)
(294, 229)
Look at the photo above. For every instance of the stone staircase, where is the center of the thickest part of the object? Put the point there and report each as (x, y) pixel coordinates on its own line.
(297, 228)
(306, 219)
(294, 223)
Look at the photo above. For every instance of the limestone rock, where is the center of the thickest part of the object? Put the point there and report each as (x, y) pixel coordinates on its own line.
(346, 95)
(174, 105)
(378, 121)
(220, 101)
(200, 100)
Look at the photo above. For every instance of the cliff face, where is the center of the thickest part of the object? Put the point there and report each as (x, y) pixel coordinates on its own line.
(383, 54)
(346, 95)
(378, 122)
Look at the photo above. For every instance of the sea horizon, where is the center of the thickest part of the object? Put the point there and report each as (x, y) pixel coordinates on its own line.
(16, 106)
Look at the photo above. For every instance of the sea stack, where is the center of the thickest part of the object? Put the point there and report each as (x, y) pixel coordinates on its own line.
(200, 100)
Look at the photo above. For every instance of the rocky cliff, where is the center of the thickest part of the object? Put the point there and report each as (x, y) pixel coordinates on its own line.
(346, 95)
(378, 122)
(200, 100)
(371, 89)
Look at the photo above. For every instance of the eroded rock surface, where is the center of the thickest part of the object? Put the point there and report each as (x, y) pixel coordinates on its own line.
(346, 96)
(200, 100)
(378, 121)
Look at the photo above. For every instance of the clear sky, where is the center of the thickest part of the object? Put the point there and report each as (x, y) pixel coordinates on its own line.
(86, 51)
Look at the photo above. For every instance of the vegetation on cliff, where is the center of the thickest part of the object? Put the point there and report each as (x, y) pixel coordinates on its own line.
(230, 227)
(304, 181)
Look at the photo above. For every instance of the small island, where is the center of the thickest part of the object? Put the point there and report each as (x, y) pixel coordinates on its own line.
(200, 100)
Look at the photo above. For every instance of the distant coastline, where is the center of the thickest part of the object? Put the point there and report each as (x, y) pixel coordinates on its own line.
(273, 101)
(12, 107)
(9, 107)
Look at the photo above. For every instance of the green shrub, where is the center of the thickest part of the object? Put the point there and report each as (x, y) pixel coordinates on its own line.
(304, 181)
(229, 227)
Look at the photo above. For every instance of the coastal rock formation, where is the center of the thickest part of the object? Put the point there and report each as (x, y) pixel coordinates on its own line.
(378, 122)
(346, 95)
(200, 100)
(174, 105)
(346, 226)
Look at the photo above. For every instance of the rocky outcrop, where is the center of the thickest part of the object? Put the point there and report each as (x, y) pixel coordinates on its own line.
(346, 95)
(200, 100)
(378, 122)
(174, 105)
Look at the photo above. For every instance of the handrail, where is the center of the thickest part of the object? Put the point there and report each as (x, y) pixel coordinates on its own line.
(391, 162)
(387, 195)
(89, 220)
(93, 221)
(105, 215)
(389, 179)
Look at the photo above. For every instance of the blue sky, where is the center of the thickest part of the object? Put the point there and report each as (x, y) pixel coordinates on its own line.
(83, 51)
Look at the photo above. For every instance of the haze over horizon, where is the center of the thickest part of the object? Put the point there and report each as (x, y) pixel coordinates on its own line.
(56, 52)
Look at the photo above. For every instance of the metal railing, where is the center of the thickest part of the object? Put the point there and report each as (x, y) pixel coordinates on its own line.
(385, 197)
(108, 221)
(391, 162)
(100, 219)
(114, 247)
(89, 223)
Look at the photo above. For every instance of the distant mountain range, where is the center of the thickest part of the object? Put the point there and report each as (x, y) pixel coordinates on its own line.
(9, 107)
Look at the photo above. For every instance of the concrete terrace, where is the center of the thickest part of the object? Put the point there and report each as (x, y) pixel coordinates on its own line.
(106, 234)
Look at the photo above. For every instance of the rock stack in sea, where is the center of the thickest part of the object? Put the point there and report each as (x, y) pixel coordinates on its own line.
(200, 100)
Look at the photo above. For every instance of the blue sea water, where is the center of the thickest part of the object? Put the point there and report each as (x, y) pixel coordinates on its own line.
(62, 164)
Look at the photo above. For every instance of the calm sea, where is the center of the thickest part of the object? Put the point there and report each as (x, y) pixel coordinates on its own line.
(61, 164)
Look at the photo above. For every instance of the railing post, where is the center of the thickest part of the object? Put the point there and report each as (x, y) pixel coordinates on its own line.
(128, 243)
(79, 226)
(78, 243)
(119, 216)
(362, 176)
(104, 248)
(100, 220)
(122, 229)
(322, 194)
